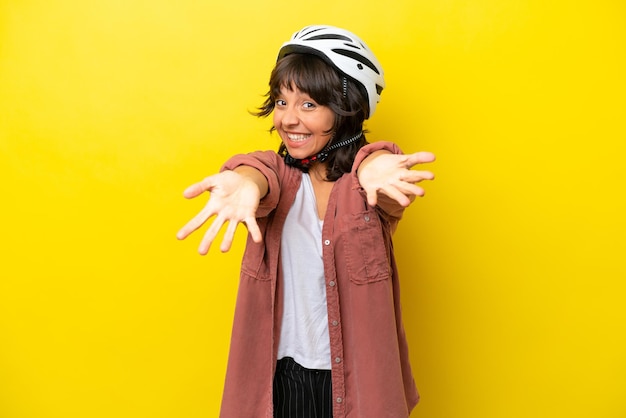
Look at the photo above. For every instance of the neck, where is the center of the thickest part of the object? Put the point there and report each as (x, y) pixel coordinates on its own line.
(318, 171)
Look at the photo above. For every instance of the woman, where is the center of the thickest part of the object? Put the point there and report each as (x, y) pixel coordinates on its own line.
(317, 329)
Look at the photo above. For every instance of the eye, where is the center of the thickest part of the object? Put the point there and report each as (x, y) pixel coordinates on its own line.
(309, 105)
(280, 102)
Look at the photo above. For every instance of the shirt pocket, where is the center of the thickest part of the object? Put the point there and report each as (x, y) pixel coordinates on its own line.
(364, 247)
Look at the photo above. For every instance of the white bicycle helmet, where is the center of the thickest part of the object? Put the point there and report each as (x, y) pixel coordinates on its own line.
(344, 51)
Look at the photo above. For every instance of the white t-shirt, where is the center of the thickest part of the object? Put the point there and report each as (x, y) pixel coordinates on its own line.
(304, 331)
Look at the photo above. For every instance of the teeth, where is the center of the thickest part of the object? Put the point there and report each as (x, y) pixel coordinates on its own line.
(297, 137)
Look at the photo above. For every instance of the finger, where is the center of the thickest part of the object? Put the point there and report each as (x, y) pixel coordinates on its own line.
(415, 176)
(253, 229)
(419, 158)
(229, 235)
(372, 196)
(409, 189)
(193, 191)
(194, 224)
(210, 235)
(392, 192)
(198, 188)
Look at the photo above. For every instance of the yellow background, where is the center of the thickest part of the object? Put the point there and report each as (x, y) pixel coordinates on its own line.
(512, 266)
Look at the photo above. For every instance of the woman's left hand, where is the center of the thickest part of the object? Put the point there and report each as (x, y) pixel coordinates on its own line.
(387, 174)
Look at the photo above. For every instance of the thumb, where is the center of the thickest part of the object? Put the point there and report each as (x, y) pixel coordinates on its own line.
(198, 188)
(372, 196)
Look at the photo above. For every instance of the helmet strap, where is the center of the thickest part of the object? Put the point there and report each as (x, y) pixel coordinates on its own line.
(321, 156)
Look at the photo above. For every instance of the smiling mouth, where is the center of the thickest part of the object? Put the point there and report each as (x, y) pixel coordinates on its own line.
(298, 137)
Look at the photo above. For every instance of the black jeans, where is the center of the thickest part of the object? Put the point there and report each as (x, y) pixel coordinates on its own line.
(301, 392)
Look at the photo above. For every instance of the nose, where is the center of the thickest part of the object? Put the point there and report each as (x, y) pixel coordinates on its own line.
(290, 116)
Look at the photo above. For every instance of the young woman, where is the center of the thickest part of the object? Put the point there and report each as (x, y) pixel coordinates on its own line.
(317, 329)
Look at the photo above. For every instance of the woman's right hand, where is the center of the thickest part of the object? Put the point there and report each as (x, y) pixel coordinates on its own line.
(235, 197)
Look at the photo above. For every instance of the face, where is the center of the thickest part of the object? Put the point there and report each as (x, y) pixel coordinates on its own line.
(302, 124)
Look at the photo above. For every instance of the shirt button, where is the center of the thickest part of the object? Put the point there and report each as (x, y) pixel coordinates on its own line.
(331, 283)
(327, 242)
(367, 218)
(339, 400)
(337, 360)
(335, 323)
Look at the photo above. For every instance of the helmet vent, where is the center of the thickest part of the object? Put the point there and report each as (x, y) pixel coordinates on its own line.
(330, 36)
(357, 57)
(300, 34)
